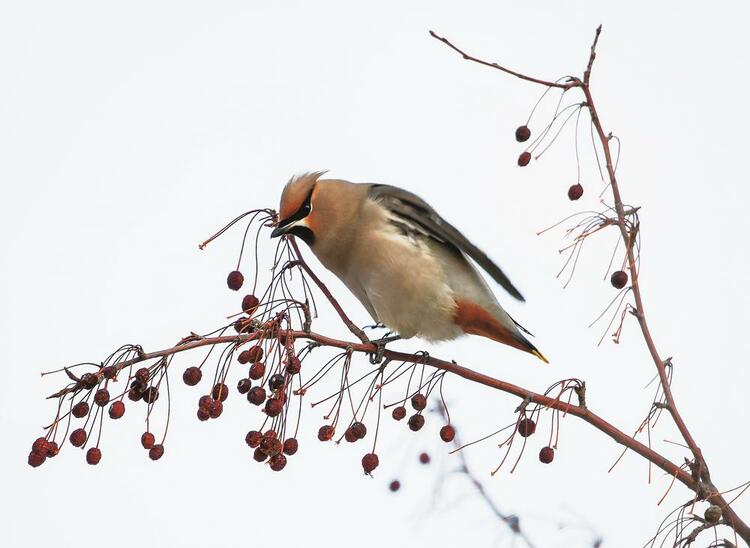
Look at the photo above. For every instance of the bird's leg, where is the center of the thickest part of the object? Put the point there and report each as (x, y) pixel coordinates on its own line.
(377, 356)
(377, 325)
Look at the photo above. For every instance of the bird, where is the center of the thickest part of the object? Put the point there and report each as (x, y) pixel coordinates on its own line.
(409, 267)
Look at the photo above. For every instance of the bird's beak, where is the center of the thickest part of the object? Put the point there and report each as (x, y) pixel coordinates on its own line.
(281, 230)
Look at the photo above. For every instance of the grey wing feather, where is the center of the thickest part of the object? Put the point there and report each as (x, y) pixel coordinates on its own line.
(415, 211)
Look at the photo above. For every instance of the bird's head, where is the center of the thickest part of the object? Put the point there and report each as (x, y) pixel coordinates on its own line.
(297, 207)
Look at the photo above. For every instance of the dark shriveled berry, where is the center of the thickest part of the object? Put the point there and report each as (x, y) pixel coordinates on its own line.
(271, 433)
(215, 409)
(290, 446)
(142, 375)
(370, 462)
(575, 192)
(116, 410)
(257, 395)
(151, 394)
(416, 422)
(524, 159)
(250, 304)
(274, 407)
(192, 376)
(101, 398)
(424, 458)
(277, 462)
(255, 353)
(204, 402)
(359, 429)
(418, 402)
(350, 436)
(52, 449)
(89, 380)
(394, 486)
(156, 452)
(447, 433)
(244, 386)
(522, 134)
(36, 459)
(220, 392)
(80, 410)
(325, 432)
(259, 455)
(257, 370)
(253, 438)
(242, 325)
(93, 455)
(235, 279)
(276, 381)
(398, 413)
(78, 437)
(526, 427)
(293, 365)
(243, 357)
(271, 446)
(203, 414)
(134, 394)
(109, 372)
(619, 279)
(546, 455)
(40, 446)
(147, 440)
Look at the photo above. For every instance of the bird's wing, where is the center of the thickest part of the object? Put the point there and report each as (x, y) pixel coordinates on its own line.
(414, 214)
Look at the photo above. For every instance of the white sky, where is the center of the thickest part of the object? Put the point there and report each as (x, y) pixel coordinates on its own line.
(129, 132)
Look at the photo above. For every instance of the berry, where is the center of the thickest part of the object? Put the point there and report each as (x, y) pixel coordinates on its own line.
(522, 134)
(277, 462)
(619, 279)
(243, 386)
(220, 391)
(359, 429)
(151, 394)
(40, 446)
(290, 446)
(156, 452)
(243, 357)
(78, 437)
(101, 398)
(276, 381)
(370, 462)
(242, 325)
(325, 432)
(192, 376)
(253, 438)
(424, 458)
(255, 353)
(116, 410)
(524, 159)
(80, 410)
(257, 395)
(398, 413)
(89, 380)
(526, 427)
(293, 365)
(546, 455)
(575, 192)
(204, 402)
(418, 402)
(215, 409)
(235, 280)
(274, 407)
(712, 514)
(109, 372)
(142, 375)
(93, 455)
(447, 433)
(36, 459)
(147, 440)
(203, 414)
(350, 436)
(52, 449)
(250, 304)
(134, 394)
(416, 422)
(270, 434)
(271, 446)
(259, 455)
(394, 486)
(257, 370)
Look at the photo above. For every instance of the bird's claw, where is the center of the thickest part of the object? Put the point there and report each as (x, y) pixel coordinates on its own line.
(377, 356)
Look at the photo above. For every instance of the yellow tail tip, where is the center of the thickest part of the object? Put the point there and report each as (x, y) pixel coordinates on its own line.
(539, 355)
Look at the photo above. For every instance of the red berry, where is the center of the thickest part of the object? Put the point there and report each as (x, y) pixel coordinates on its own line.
(370, 462)
(394, 486)
(416, 422)
(418, 402)
(575, 192)
(399, 412)
(522, 134)
(78, 437)
(293, 365)
(257, 395)
(350, 436)
(40, 446)
(36, 459)
(447, 433)
(151, 394)
(325, 432)
(215, 409)
(271, 446)
(243, 357)
(242, 325)
(147, 440)
(89, 380)
(142, 375)
(277, 462)
(204, 402)
(80, 410)
(257, 370)
(203, 414)
(116, 410)
(156, 452)
(253, 438)
(249, 304)
(259, 455)
(276, 381)
(274, 407)
(290, 446)
(52, 449)
(524, 159)
(424, 458)
(235, 280)
(255, 353)
(109, 372)
(101, 398)
(546, 455)
(192, 376)
(134, 394)
(243, 386)
(359, 429)
(93, 455)
(220, 391)
(270, 434)
(619, 279)
(526, 427)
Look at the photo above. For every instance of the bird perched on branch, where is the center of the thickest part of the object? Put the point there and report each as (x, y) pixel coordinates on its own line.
(408, 266)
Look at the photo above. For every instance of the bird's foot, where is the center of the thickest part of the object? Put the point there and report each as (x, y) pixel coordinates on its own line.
(378, 325)
(377, 356)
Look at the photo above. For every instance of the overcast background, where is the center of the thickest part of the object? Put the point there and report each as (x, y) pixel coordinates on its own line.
(130, 131)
